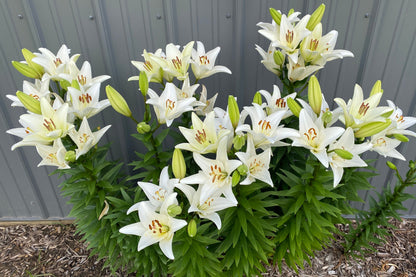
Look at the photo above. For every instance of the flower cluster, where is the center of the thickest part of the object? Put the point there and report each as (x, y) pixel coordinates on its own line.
(51, 117)
(301, 41)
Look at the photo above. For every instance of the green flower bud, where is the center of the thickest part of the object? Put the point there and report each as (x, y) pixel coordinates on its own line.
(315, 17)
(235, 178)
(315, 95)
(28, 55)
(143, 83)
(192, 228)
(276, 15)
(178, 164)
(239, 141)
(26, 70)
(70, 156)
(293, 106)
(391, 165)
(376, 88)
(401, 137)
(233, 111)
(387, 114)
(327, 117)
(117, 101)
(412, 164)
(372, 129)
(143, 128)
(64, 84)
(242, 170)
(174, 210)
(290, 12)
(257, 98)
(75, 84)
(278, 57)
(30, 103)
(344, 154)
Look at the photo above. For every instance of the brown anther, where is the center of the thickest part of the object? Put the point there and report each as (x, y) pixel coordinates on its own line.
(177, 63)
(57, 62)
(313, 44)
(170, 105)
(82, 80)
(363, 108)
(311, 135)
(148, 66)
(280, 103)
(289, 36)
(203, 60)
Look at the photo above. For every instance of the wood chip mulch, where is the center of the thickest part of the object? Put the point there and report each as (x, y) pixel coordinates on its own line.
(54, 250)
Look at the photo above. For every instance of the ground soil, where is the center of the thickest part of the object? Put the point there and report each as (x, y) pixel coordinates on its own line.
(55, 250)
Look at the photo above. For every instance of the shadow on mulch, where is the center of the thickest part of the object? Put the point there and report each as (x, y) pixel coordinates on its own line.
(54, 250)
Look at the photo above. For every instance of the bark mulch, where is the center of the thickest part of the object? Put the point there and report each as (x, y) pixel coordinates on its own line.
(54, 250)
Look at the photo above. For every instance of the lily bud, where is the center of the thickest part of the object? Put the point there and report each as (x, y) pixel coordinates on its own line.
(276, 15)
(70, 156)
(327, 117)
(401, 137)
(178, 164)
(143, 83)
(143, 128)
(117, 101)
(28, 55)
(192, 228)
(344, 154)
(315, 95)
(235, 179)
(278, 57)
(391, 165)
(257, 98)
(239, 141)
(26, 70)
(64, 84)
(290, 12)
(174, 210)
(233, 111)
(75, 84)
(315, 17)
(242, 170)
(30, 103)
(412, 164)
(387, 114)
(294, 107)
(376, 88)
(372, 129)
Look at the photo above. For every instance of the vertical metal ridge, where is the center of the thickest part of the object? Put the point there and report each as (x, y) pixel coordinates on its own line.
(393, 41)
(7, 200)
(57, 23)
(27, 6)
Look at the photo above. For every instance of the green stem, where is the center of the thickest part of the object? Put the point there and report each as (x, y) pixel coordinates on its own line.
(153, 142)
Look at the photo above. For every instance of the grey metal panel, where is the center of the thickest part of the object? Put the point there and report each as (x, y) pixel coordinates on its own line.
(109, 34)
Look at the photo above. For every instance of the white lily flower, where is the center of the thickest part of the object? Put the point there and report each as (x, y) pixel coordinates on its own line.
(42, 129)
(272, 31)
(290, 36)
(85, 103)
(215, 175)
(176, 63)
(335, 114)
(385, 146)
(84, 138)
(37, 90)
(317, 49)
(202, 137)
(187, 91)
(208, 106)
(297, 71)
(53, 64)
(276, 102)
(53, 155)
(152, 69)
(360, 111)
(155, 227)
(268, 59)
(265, 128)
(157, 194)
(315, 137)
(208, 206)
(399, 122)
(257, 164)
(203, 64)
(83, 75)
(346, 142)
(167, 106)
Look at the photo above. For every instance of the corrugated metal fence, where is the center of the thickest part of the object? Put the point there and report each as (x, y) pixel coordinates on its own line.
(109, 34)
